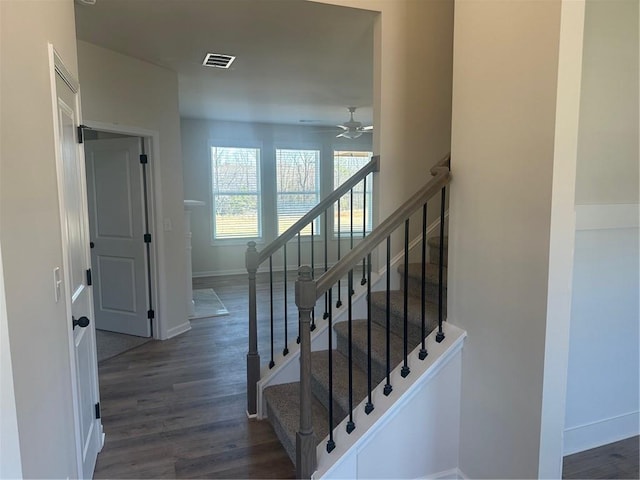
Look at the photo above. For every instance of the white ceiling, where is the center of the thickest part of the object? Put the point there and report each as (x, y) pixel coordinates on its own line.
(296, 59)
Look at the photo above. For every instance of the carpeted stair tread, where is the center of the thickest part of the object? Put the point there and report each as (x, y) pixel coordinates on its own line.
(378, 347)
(283, 410)
(415, 280)
(434, 250)
(414, 327)
(431, 271)
(320, 382)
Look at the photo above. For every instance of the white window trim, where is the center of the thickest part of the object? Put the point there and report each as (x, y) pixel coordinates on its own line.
(226, 143)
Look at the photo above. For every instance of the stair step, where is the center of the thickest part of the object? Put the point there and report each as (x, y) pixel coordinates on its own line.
(431, 280)
(414, 324)
(434, 250)
(378, 347)
(320, 382)
(283, 411)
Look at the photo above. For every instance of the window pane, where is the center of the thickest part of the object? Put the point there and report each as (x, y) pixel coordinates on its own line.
(293, 206)
(236, 192)
(235, 169)
(236, 216)
(298, 186)
(346, 164)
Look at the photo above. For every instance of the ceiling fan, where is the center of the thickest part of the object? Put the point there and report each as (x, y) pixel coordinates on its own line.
(352, 128)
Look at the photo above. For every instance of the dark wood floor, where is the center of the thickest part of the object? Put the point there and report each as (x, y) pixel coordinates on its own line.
(616, 460)
(176, 409)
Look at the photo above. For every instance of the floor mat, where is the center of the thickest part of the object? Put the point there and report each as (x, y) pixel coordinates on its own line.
(208, 304)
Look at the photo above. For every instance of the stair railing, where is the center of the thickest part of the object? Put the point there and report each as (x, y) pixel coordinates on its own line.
(255, 258)
(309, 290)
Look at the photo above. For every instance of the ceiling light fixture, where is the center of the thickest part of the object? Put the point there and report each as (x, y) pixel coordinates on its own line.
(218, 60)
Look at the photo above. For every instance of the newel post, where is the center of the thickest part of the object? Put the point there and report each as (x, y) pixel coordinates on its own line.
(306, 443)
(253, 357)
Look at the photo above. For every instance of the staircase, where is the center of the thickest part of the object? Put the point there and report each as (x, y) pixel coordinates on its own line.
(282, 401)
(339, 379)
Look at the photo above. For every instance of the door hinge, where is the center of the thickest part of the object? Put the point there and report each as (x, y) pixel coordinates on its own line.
(147, 238)
(151, 314)
(97, 410)
(144, 159)
(89, 282)
(81, 132)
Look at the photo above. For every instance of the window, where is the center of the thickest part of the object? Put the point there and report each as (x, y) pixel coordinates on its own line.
(236, 192)
(298, 186)
(345, 164)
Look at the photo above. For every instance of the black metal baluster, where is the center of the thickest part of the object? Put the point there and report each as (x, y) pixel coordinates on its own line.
(440, 334)
(271, 363)
(339, 301)
(350, 425)
(423, 350)
(388, 388)
(351, 291)
(285, 351)
(326, 261)
(331, 444)
(369, 406)
(313, 275)
(364, 227)
(405, 367)
(299, 263)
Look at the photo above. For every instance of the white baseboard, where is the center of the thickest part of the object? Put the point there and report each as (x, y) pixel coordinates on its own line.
(600, 217)
(177, 330)
(592, 435)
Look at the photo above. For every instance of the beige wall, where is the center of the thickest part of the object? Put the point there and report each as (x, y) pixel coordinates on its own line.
(117, 89)
(504, 108)
(608, 143)
(30, 233)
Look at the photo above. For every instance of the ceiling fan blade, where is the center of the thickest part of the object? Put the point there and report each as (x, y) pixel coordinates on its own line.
(367, 129)
(342, 127)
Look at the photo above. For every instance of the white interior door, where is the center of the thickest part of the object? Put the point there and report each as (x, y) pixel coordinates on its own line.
(116, 219)
(75, 235)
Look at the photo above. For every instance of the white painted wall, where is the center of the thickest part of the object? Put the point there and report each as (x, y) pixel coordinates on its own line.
(602, 388)
(227, 257)
(38, 328)
(117, 89)
(500, 218)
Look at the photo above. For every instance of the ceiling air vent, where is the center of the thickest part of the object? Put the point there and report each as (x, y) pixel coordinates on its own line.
(218, 60)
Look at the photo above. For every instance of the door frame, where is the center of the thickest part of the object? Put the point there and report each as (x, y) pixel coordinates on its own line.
(151, 141)
(57, 67)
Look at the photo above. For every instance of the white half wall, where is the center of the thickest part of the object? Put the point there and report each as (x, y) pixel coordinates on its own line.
(602, 388)
(121, 90)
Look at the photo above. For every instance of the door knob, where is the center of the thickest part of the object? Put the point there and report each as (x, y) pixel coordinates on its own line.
(81, 322)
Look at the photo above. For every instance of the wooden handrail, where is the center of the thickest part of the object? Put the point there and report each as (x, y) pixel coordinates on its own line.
(292, 231)
(441, 178)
